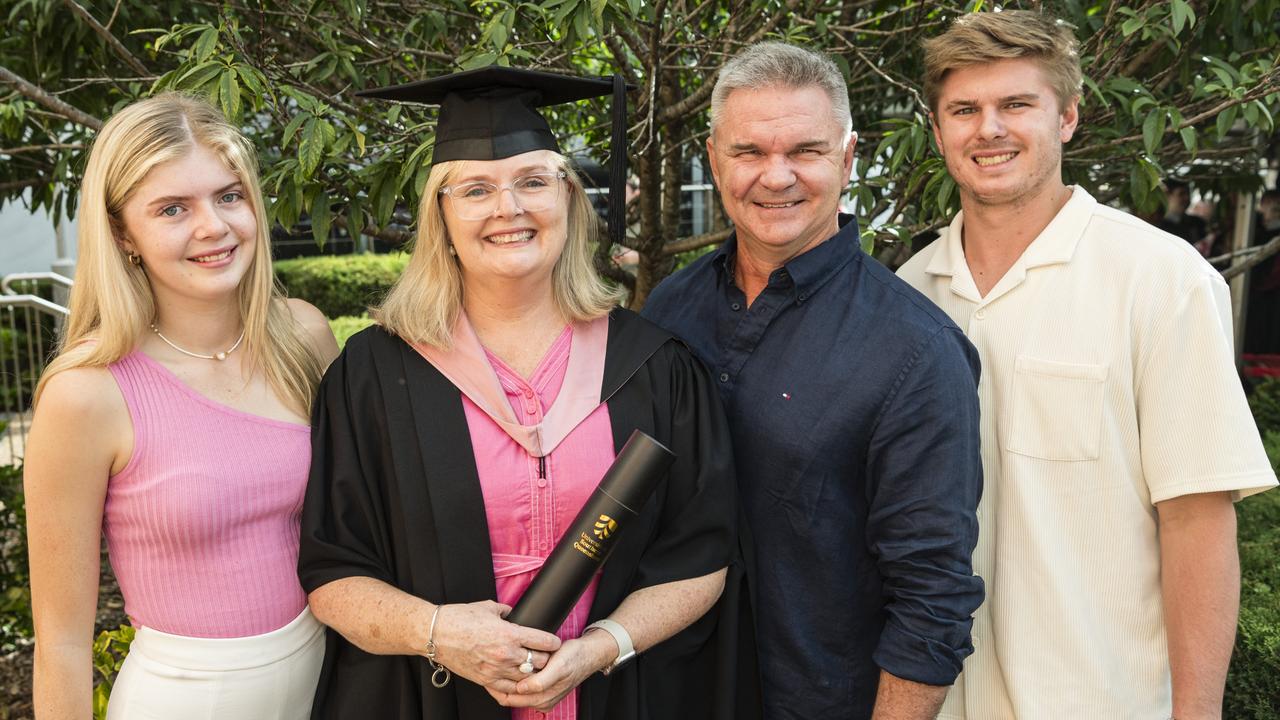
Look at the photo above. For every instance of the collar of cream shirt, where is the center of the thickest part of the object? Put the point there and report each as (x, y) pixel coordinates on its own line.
(1054, 245)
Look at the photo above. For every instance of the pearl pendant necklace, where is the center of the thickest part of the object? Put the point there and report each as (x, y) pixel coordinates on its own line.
(216, 356)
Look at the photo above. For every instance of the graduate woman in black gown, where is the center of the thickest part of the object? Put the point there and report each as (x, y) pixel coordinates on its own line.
(455, 440)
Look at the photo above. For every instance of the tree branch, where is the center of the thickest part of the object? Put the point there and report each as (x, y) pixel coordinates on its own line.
(59, 107)
(19, 185)
(396, 237)
(1263, 253)
(41, 148)
(697, 241)
(112, 41)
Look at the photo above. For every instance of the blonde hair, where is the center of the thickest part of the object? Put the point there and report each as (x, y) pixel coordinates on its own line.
(111, 302)
(983, 37)
(424, 303)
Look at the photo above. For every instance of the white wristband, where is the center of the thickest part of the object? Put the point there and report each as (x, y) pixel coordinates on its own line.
(626, 650)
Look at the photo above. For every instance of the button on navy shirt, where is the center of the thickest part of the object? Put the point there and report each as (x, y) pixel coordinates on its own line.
(854, 412)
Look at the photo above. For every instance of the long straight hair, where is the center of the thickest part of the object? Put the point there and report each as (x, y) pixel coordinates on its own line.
(111, 302)
(424, 303)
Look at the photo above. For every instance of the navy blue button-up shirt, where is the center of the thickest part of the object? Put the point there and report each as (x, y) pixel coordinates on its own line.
(853, 406)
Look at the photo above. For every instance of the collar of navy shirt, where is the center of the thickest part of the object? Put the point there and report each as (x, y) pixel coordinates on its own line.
(805, 273)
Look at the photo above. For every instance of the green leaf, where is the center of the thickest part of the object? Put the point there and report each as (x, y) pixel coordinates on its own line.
(292, 128)
(1250, 113)
(866, 200)
(945, 193)
(479, 60)
(199, 75)
(321, 217)
(420, 179)
(252, 80)
(498, 33)
(1132, 25)
(1188, 134)
(297, 202)
(328, 132)
(564, 12)
(1138, 189)
(1267, 121)
(1140, 104)
(311, 149)
(1182, 14)
(229, 94)
(355, 218)
(1226, 119)
(204, 45)
(1153, 130)
(384, 195)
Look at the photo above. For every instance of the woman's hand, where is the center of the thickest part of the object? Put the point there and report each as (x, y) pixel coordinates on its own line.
(473, 641)
(574, 662)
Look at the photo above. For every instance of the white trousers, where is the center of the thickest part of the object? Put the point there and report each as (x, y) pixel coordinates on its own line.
(261, 677)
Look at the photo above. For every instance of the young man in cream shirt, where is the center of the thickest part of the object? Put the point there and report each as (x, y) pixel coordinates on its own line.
(1115, 435)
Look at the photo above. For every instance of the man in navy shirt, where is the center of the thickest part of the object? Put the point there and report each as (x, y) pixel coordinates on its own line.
(853, 407)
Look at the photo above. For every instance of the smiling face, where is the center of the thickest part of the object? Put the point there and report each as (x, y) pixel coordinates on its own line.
(1001, 129)
(196, 232)
(780, 161)
(511, 243)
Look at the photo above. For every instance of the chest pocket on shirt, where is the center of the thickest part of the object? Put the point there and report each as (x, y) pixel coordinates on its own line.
(1056, 409)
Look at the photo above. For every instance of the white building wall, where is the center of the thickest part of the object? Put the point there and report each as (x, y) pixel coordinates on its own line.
(29, 242)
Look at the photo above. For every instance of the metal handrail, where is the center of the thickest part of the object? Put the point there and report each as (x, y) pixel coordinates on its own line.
(53, 277)
(32, 301)
(18, 277)
(24, 315)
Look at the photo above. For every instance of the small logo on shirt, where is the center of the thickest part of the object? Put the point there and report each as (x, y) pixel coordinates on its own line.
(605, 527)
(786, 396)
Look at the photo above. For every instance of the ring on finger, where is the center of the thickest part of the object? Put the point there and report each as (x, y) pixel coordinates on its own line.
(526, 667)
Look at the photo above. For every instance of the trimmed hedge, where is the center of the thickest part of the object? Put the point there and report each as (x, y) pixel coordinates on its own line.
(15, 574)
(341, 284)
(1253, 683)
(348, 325)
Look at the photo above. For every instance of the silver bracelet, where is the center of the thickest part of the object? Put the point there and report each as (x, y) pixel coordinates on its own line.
(438, 670)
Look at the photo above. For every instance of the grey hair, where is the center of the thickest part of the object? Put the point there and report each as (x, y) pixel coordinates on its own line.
(770, 64)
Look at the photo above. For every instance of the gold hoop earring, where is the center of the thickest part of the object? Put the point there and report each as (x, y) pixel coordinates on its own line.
(452, 251)
(134, 258)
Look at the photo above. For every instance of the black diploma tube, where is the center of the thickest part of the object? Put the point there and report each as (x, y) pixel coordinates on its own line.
(593, 533)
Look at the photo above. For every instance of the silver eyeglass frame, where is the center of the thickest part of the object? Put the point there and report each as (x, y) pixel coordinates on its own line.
(448, 191)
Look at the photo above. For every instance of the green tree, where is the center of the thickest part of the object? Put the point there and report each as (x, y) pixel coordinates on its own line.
(1171, 84)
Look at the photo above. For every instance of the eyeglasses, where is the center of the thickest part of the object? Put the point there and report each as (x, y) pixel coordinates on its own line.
(478, 200)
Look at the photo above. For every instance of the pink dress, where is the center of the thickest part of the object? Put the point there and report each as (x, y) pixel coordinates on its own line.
(533, 487)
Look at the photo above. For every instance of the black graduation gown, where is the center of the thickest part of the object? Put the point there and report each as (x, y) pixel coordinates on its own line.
(394, 495)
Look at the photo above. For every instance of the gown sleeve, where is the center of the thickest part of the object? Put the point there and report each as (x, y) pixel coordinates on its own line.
(706, 671)
(343, 524)
(696, 531)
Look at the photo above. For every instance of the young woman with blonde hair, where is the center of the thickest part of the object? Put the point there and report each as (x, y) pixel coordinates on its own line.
(183, 384)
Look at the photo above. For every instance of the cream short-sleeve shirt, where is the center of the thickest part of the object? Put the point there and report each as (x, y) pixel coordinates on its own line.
(1108, 385)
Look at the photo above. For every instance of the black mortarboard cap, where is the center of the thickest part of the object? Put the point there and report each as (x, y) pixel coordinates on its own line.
(492, 113)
